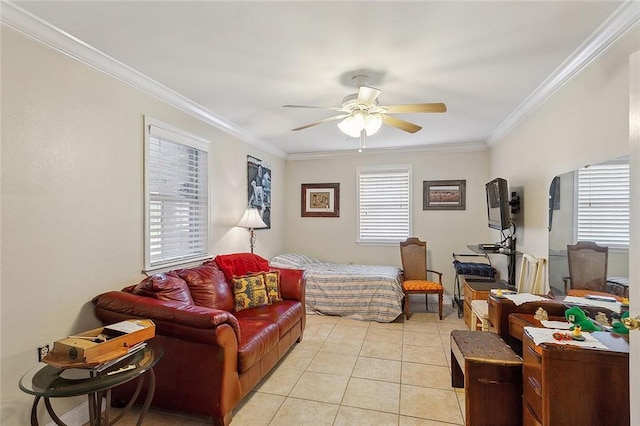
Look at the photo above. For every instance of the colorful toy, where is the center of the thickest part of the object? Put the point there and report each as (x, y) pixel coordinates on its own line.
(618, 327)
(578, 317)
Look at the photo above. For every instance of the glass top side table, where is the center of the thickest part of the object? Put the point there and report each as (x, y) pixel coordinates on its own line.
(51, 382)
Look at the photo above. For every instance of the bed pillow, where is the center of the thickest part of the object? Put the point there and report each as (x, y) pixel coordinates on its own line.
(272, 283)
(291, 260)
(239, 264)
(249, 291)
(164, 286)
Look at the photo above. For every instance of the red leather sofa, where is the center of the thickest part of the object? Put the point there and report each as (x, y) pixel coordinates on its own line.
(213, 354)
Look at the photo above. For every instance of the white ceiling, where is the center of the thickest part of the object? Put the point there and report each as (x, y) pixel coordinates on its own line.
(241, 61)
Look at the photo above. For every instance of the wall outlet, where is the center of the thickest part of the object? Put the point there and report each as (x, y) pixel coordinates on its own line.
(42, 352)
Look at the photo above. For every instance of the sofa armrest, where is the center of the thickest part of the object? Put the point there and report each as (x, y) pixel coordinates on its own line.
(190, 322)
(291, 283)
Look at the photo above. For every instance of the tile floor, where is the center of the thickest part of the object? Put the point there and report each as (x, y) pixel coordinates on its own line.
(348, 372)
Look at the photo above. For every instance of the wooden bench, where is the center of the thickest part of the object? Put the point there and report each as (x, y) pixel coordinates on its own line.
(491, 374)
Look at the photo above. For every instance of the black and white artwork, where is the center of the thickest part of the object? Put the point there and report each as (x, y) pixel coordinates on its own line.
(259, 188)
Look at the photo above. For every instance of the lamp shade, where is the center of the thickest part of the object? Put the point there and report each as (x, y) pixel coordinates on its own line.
(251, 220)
(358, 121)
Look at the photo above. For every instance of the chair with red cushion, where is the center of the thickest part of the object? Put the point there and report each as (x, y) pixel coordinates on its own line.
(413, 253)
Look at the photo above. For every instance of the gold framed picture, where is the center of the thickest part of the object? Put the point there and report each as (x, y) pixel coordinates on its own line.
(320, 200)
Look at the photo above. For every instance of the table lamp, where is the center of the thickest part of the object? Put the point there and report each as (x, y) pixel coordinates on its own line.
(251, 220)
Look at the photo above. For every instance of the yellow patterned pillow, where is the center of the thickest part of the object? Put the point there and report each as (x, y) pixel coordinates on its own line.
(249, 291)
(272, 282)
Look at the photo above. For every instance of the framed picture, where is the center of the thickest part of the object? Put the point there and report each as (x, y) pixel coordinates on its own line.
(320, 200)
(443, 195)
(259, 188)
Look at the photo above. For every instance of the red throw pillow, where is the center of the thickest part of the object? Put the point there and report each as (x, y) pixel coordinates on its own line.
(164, 286)
(239, 264)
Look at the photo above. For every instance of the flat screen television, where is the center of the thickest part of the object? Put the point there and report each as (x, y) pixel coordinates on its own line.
(498, 210)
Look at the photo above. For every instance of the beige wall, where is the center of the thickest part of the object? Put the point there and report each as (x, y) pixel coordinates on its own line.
(72, 199)
(586, 121)
(334, 239)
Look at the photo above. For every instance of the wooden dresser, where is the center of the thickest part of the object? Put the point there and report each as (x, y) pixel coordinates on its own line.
(570, 385)
(476, 289)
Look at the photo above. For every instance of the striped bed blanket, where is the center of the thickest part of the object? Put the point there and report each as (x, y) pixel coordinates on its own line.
(362, 292)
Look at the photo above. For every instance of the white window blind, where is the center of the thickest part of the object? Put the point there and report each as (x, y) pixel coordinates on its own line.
(177, 197)
(603, 204)
(384, 195)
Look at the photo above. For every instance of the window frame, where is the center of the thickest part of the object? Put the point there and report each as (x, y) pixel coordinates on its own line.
(158, 129)
(580, 235)
(381, 169)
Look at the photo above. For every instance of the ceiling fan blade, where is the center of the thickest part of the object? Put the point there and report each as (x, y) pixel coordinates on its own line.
(337, 117)
(367, 95)
(433, 107)
(313, 107)
(400, 124)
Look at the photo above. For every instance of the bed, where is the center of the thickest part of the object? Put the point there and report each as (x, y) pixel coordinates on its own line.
(362, 292)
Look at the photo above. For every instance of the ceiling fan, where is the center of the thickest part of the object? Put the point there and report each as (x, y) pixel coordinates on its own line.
(361, 114)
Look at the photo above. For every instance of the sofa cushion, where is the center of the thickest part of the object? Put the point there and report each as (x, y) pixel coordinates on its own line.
(238, 264)
(272, 282)
(208, 287)
(257, 338)
(164, 286)
(284, 314)
(249, 291)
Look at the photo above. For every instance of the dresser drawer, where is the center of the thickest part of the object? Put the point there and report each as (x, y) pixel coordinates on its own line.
(528, 416)
(467, 314)
(532, 376)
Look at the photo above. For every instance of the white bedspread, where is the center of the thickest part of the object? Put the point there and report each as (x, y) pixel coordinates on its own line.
(363, 292)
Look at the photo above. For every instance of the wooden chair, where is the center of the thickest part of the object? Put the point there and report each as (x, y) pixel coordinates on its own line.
(413, 253)
(587, 269)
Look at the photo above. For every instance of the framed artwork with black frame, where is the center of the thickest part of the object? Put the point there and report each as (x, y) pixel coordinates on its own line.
(259, 188)
(444, 195)
(320, 200)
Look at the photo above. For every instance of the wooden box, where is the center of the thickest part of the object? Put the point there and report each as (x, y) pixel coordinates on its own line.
(99, 345)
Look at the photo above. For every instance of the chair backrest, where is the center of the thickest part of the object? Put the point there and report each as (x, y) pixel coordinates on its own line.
(413, 254)
(588, 266)
(531, 278)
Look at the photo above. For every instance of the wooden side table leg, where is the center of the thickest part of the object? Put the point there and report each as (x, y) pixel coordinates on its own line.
(93, 412)
(150, 391)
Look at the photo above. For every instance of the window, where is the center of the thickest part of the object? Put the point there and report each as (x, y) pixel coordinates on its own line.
(384, 195)
(176, 196)
(603, 204)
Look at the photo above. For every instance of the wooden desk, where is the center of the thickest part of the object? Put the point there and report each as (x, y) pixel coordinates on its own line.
(491, 374)
(517, 323)
(500, 309)
(477, 290)
(571, 385)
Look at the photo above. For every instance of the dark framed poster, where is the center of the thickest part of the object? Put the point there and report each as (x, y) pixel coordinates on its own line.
(259, 188)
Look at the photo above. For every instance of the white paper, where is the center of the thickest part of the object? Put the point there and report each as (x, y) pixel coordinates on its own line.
(612, 306)
(520, 298)
(126, 326)
(556, 324)
(545, 335)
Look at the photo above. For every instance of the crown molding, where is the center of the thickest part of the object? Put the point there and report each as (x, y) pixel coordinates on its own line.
(18, 19)
(444, 147)
(610, 31)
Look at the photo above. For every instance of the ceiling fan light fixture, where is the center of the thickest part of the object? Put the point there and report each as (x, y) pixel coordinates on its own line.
(352, 125)
(358, 121)
(372, 123)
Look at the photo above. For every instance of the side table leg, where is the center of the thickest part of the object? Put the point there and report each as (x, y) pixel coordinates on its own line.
(150, 391)
(53, 415)
(34, 411)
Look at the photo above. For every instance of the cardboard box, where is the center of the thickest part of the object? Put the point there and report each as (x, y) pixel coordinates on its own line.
(94, 347)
